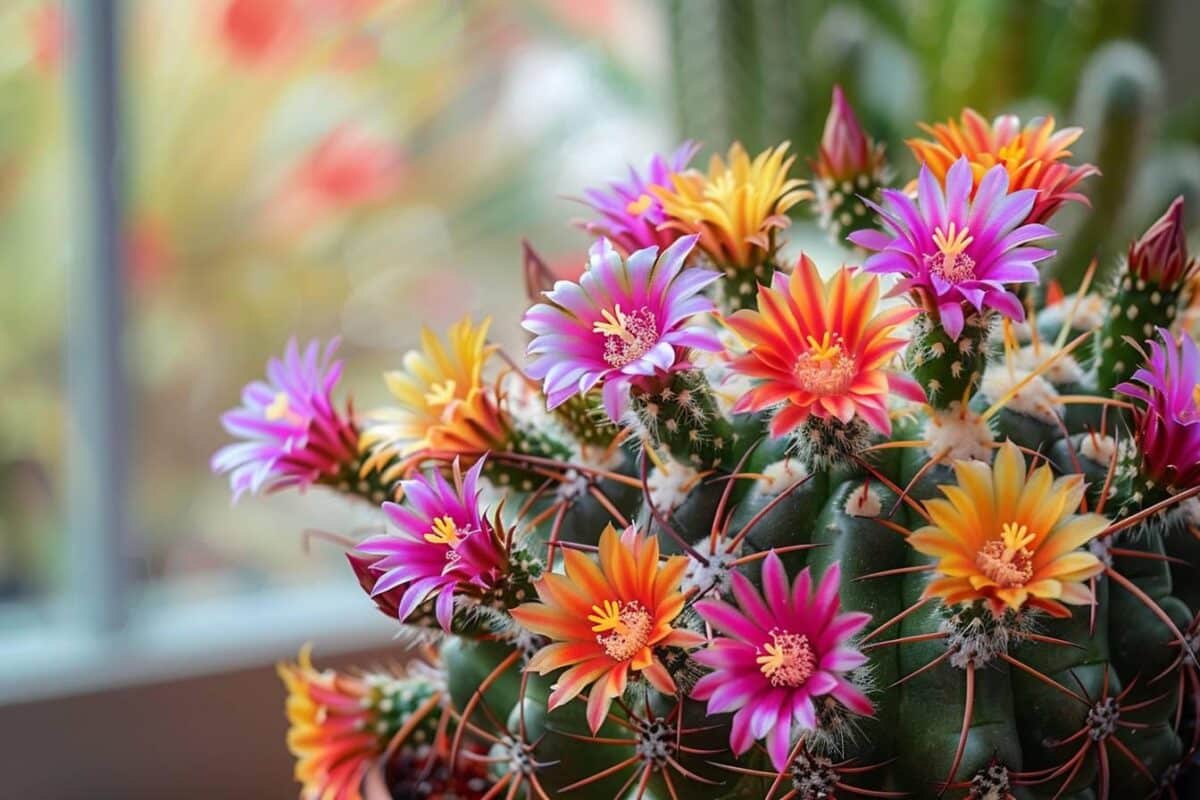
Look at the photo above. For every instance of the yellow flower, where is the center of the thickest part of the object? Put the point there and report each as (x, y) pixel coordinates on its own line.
(443, 403)
(737, 206)
(1009, 538)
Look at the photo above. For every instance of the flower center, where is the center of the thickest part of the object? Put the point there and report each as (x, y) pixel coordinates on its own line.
(622, 629)
(1008, 560)
(788, 659)
(951, 263)
(445, 532)
(281, 408)
(1013, 153)
(627, 337)
(441, 394)
(639, 206)
(825, 369)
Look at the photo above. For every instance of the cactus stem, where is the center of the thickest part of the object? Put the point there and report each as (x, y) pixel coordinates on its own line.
(968, 713)
(661, 518)
(1155, 609)
(477, 699)
(719, 518)
(921, 473)
(919, 671)
(766, 509)
(1146, 513)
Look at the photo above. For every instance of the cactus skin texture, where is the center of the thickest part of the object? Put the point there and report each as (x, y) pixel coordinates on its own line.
(973, 694)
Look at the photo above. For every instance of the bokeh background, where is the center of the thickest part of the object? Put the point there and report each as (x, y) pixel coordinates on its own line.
(361, 168)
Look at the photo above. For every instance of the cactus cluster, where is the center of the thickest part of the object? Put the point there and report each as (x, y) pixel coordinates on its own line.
(799, 540)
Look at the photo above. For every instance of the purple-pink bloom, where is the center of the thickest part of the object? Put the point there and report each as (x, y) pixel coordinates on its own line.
(625, 321)
(781, 650)
(290, 432)
(629, 212)
(1166, 391)
(950, 248)
(444, 547)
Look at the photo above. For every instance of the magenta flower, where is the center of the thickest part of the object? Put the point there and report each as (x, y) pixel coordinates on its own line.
(781, 650)
(625, 321)
(444, 548)
(846, 151)
(950, 249)
(629, 212)
(1160, 256)
(291, 434)
(1166, 391)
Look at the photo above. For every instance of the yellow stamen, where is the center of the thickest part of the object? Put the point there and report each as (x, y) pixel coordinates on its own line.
(953, 241)
(639, 206)
(1013, 152)
(789, 659)
(608, 618)
(441, 394)
(824, 350)
(1196, 397)
(616, 323)
(279, 408)
(1016, 538)
(444, 532)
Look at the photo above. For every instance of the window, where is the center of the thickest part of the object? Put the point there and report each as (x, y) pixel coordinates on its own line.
(310, 168)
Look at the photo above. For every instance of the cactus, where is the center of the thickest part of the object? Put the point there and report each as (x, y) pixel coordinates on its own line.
(819, 546)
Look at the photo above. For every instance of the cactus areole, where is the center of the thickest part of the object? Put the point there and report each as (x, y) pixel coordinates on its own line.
(745, 525)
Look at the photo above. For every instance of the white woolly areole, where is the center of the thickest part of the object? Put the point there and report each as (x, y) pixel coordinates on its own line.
(959, 433)
(1037, 398)
(716, 575)
(575, 482)
(1064, 370)
(1099, 448)
(779, 476)
(1090, 313)
(669, 489)
(863, 502)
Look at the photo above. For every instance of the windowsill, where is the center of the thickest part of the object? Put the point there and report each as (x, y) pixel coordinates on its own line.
(189, 639)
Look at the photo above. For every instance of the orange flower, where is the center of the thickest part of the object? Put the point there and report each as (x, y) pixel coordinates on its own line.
(444, 403)
(606, 620)
(332, 733)
(819, 349)
(1010, 539)
(1033, 155)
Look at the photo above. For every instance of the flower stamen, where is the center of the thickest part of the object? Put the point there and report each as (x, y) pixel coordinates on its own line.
(788, 659)
(622, 629)
(627, 337)
(280, 408)
(825, 369)
(639, 206)
(444, 532)
(1008, 560)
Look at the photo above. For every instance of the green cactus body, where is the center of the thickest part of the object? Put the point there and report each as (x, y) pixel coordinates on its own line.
(1137, 310)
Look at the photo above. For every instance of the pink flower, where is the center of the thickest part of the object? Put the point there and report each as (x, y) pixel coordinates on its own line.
(846, 150)
(630, 214)
(781, 650)
(951, 249)
(444, 547)
(1166, 394)
(1160, 256)
(623, 322)
(291, 433)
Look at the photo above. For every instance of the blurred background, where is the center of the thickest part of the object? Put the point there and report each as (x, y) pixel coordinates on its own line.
(360, 168)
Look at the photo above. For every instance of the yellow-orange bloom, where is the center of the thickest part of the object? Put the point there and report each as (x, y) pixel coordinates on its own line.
(332, 733)
(1033, 155)
(605, 620)
(736, 206)
(1009, 538)
(443, 402)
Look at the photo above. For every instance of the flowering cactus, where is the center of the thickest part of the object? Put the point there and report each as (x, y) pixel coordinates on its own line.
(788, 542)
